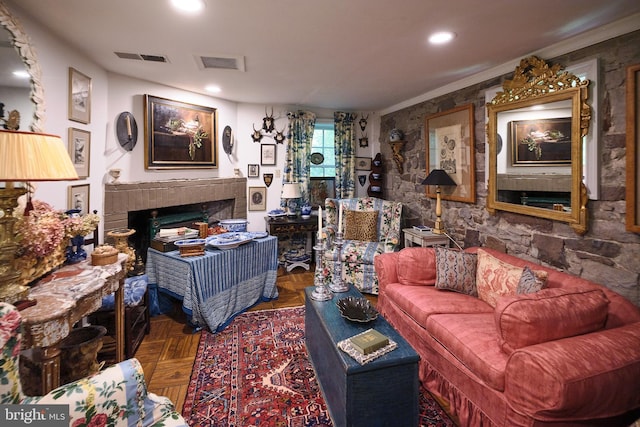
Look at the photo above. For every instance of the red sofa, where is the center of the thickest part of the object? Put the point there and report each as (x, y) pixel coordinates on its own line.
(566, 355)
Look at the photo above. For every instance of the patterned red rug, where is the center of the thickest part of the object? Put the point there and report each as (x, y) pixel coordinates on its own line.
(256, 372)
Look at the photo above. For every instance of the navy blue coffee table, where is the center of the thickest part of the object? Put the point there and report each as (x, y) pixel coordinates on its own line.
(383, 392)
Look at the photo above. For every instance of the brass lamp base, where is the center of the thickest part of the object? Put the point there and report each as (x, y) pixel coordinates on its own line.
(10, 290)
(12, 293)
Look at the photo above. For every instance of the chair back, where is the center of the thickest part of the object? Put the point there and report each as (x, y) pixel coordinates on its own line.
(389, 216)
(10, 336)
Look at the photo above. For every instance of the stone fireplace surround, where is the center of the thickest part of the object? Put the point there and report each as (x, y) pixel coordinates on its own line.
(122, 198)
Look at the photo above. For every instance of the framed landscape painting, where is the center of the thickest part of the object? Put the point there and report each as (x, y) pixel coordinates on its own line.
(179, 135)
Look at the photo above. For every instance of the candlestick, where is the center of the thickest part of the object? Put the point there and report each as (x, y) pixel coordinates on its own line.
(128, 121)
(337, 285)
(319, 222)
(340, 219)
(321, 292)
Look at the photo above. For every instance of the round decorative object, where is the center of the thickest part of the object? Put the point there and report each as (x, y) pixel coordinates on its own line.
(396, 135)
(499, 144)
(227, 139)
(127, 130)
(317, 158)
(357, 309)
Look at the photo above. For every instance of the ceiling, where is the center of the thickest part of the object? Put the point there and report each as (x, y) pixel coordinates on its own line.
(353, 55)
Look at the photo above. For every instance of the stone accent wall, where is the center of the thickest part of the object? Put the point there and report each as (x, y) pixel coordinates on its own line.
(606, 254)
(120, 199)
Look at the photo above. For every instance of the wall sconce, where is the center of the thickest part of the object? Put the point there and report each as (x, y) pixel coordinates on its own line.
(438, 177)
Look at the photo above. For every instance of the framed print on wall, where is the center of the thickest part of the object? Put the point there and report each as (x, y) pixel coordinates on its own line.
(79, 147)
(540, 142)
(363, 163)
(253, 171)
(257, 198)
(268, 154)
(450, 146)
(79, 97)
(178, 135)
(78, 198)
(633, 149)
(321, 189)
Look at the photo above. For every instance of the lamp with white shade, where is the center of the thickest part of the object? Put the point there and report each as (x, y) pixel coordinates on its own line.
(291, 191)
(24, 157)
(438, 177)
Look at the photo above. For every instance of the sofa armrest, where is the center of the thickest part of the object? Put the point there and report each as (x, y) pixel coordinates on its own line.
(589, 376)
(115, 396)
(386, 266)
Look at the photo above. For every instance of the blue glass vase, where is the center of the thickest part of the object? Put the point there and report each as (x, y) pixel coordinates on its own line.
(75, 251)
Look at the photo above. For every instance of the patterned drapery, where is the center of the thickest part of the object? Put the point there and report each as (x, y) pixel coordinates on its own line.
(297, 166)
(345, 146)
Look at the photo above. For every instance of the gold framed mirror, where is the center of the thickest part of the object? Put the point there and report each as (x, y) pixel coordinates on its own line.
(535, 132)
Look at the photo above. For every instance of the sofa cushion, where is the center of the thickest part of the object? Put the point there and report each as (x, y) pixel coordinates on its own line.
(471, 339)
(495, 278)
(531, 281)
(361, 226)
(417, 266)
(547, 315)
(420, 302)
(456, 271)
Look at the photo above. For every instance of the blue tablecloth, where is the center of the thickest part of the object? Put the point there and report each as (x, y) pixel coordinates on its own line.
(221, 283)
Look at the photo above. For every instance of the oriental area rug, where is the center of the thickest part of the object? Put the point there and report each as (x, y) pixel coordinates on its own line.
(256, 372)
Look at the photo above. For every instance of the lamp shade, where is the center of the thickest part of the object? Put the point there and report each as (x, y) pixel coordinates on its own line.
(438, 177)
(29, 156)
(291, 190)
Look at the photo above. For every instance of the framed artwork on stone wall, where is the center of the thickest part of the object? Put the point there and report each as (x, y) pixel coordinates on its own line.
(450, 146)
(633, 148)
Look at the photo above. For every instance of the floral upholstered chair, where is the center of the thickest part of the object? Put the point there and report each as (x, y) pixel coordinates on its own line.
(116, 396)
(371, 226)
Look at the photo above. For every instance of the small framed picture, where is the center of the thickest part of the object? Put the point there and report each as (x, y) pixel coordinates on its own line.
(78, 198)
(253, 171)
(79, 97)
(268, 154)
(79, 147)
(257, 198)
(363, 163)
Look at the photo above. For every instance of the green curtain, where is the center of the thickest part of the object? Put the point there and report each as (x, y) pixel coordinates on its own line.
(345, 145)
(297, 167)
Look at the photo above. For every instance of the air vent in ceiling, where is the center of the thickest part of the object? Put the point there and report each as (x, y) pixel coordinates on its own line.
(142, 57)
(221, 62)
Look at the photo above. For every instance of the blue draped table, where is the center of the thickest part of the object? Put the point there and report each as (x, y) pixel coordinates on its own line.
(220, 284)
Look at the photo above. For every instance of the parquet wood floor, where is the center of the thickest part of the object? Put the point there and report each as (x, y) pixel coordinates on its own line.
(168, 352)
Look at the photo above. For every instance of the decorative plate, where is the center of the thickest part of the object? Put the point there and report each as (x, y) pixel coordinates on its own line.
(229, 240)
(190, 242)
(259, 234)
(357, 309)
(317, 158)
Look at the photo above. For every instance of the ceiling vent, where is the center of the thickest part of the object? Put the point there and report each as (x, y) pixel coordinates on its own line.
(221, 62)
(141, 57)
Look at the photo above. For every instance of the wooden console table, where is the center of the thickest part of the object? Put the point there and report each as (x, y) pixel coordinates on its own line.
(63, 298)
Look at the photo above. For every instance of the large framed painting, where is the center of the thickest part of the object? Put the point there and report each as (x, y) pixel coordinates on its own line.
(540, 142)
(79, 97)
(321, 189)
(633, 148)
(178, 135)
(450, 146)
(79, 147)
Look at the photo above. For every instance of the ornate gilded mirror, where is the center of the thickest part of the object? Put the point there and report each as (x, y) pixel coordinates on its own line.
(535, 131)
(15, 44)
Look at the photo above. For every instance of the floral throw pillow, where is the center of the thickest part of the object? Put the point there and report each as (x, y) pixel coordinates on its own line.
(531, 281)
(456, 271)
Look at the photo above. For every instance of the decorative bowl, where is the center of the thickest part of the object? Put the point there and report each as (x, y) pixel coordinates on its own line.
(357, 309)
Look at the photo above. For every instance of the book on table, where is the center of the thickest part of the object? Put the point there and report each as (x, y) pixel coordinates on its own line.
(369, 341)
(422, 228)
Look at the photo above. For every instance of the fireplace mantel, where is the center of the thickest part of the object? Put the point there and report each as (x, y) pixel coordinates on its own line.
(122, 198)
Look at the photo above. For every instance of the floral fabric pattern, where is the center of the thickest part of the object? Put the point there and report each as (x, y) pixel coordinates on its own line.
(345, 154)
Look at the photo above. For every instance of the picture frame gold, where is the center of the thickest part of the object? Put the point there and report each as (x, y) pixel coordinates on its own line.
(633, 149)
(257, 199)
(449, 139)
(79, 148)
(79, 96)
(179, 135)
(78, 198)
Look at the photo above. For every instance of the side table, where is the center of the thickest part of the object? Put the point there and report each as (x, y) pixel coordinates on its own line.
(423, 238)
(288, 226)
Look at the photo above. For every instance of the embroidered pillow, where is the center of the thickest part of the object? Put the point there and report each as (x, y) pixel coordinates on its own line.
(531, 281)
(495, 278)
(456, 271)
(361, 225)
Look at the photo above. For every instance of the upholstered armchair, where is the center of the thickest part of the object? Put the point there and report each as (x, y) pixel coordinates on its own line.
(371, 226)
(116, 396)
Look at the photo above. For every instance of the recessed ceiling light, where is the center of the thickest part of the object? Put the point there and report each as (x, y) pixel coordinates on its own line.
(189, 6)
(21, 74)
(213, 89)
(441, 37)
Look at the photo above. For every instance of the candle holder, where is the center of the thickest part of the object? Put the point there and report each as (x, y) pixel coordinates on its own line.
(337, 285)
(321, 292)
